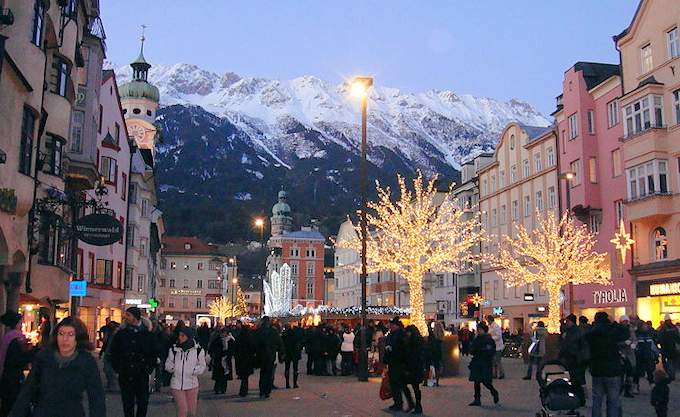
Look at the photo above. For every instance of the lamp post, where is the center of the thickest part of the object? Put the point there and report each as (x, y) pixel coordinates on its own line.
(360, 87)
(234, 282)
(568, 177)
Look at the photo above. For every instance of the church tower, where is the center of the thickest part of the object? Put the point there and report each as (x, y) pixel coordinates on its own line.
(281, 220)
(139, 100)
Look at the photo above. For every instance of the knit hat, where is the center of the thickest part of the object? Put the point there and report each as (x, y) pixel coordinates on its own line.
(10, 318)
(572, 318)
(601, 317)
(136, 312)
(187, 331)
(624, 318)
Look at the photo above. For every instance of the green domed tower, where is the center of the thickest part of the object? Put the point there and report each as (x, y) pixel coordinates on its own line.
(139, 100)
(281, 220)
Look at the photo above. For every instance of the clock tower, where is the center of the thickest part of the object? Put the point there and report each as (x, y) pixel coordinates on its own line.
(139, 100)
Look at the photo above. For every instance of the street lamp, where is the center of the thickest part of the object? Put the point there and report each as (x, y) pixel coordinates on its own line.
(259, 223)
(234, 281)
(360, 87)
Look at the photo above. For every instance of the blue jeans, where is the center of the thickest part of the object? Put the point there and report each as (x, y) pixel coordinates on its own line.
(610, 387)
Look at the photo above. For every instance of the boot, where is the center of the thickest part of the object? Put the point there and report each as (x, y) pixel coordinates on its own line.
(295, 379)
(287, 380)
(475, 403)
(418, 409)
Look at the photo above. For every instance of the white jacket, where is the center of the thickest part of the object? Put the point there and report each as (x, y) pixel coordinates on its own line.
(185, 367)
(496, 334)
(347, 342)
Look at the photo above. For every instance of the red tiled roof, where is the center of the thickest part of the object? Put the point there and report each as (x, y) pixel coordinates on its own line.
(176, 245)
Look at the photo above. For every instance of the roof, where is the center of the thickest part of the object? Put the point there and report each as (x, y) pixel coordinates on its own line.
(594, 73)
(147, 155)
(304, 234)
(649, 80)
(175, 245)
(534, 132)
(627, 29)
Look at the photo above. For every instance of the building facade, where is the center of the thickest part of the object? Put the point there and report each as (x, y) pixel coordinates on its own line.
(191, 278)
(589, 129)
(650, 115)
(518, 187)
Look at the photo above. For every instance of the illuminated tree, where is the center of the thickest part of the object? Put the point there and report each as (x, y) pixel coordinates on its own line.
(222, 307)
(423, 231)
(555, 253)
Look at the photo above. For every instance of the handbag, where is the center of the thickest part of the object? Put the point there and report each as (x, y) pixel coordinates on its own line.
(431, 376)
(385, 391)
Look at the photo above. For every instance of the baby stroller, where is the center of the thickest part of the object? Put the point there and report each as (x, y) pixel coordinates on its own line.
(559, 397)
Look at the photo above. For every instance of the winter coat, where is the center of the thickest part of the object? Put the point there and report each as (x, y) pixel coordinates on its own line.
(268, 344)
(415, 360)
(482, 349)
(627, 348)
(17, 357)
(133, 351)
(58, 392)
(669, 339)
(292, 344)
(603, 340)
(314, 345)
(573, 347)
(221, 347)
(347, 342)
(660, 393)
(185, 366)
(496, 334)
(646, 351)
(539, 335)
(395, 349)
(244, 352)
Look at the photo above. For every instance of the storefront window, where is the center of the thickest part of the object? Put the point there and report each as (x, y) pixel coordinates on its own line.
(660, 244)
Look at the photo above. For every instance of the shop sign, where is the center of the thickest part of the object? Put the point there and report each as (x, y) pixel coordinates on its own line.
(8, 200)
(77, 288)
(615, 295)
(133, 301)
(528, 296)
(667, 288)
(99, 229)
(541, 309)
(185, 292)
(497, 311)
(144, 305)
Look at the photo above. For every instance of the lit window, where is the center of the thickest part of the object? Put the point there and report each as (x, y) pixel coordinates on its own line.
(575, 167)
(616, 163)
(109, 169)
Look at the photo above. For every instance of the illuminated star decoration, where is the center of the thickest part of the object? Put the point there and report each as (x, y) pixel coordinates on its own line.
(622, 241)
(476, 299)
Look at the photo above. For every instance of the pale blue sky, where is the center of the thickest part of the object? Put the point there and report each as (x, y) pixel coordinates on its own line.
(495, 48)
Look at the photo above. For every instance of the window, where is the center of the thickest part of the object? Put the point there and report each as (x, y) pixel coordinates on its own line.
(141, 282)
(123, 192)
(515, 210)
(173, 265)
(501, 179)
(527, 206)
(673, 42)
(60, 73)
(213, 284)
(128, 278)
(55, 148)
(539, 200)
(660, 244)
(676, 105)
(38, 22)
(494, 217)
(311, 253)
(613, 113)
(595, 221)
(186, 283)
(171, 302)
(526, 168)
(109, 169)
(172, 283)
(495, 289)
(199, 303)
(116, 133)
(294, 268)
(513, 173)
(616, 163)
(294, 252)
(187, 246)
(493, 183)
(104, 274)
(49, 240)
(70, 9)
(77, 120)
(573, 126)
(186, 267)
(310, 269)
(591, 122)
(575, 167)
(145, 207)
(639, 116)
(132, 193)
(551, 156)
(143, 246)
(618, 209)
(512, 142)
(592, 170)
(537, 163)
(199, 283)
(162, 282)
(647, 179)
(185, 302)
(485, 187)
(646, 58)
(26, 146)
(101, 117)
(200, 266)
(503, 214)
(310, 289)
(551, 198)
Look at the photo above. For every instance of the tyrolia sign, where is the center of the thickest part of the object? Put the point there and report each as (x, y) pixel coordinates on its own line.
(99, 229)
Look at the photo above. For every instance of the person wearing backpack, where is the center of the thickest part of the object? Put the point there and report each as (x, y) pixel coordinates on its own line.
(537, 349)
(186, 361)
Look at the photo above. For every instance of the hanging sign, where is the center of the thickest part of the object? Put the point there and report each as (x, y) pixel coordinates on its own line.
(77, 288)
(99, 229)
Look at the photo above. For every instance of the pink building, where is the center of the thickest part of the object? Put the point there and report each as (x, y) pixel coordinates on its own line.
(589, 130)
(104, 266)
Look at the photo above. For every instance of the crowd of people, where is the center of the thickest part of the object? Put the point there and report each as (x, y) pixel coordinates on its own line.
(141, 355)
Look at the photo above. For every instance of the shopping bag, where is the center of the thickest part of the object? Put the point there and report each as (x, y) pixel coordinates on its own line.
(431, 377)
(385, 391)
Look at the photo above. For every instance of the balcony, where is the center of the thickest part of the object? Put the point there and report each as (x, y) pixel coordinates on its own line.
(654, 139)
(653, 206)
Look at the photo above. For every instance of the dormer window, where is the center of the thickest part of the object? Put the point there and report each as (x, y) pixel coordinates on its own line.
(187, 246)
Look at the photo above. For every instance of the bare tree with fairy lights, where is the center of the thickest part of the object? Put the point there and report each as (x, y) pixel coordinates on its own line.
(555, 253)
(422, 231)
(223, 308)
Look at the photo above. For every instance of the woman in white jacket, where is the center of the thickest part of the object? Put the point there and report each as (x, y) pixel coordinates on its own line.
(347, 352)
(186, 361)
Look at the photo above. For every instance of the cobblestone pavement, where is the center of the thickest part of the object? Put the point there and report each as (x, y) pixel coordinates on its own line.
(345, 397)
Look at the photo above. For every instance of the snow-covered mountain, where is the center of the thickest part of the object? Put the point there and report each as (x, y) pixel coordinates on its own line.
(425, 129)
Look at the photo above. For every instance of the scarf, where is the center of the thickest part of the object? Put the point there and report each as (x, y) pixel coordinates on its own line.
(4, 345)
(187, 345)
(64, 361)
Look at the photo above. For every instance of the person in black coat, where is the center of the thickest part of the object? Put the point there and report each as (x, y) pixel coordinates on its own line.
(133, 357)
(15, 354)
(220, 349)
(61, 373)
(669, 339)
(268, 345)
(660, 393)
(292, 344)
(482, 349)
(574, 353)
(415, 364)
(395, 359)
(244, 355)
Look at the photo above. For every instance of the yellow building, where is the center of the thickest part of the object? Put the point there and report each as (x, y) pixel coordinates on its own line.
(519, 184)
(650, 111)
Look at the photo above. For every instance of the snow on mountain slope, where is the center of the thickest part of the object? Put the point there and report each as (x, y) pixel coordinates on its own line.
(436, 126)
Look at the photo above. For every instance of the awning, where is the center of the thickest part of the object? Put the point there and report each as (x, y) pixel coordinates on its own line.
(29, 299)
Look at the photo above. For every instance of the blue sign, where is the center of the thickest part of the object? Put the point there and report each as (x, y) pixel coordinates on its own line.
(497, 311)
(77, 288)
